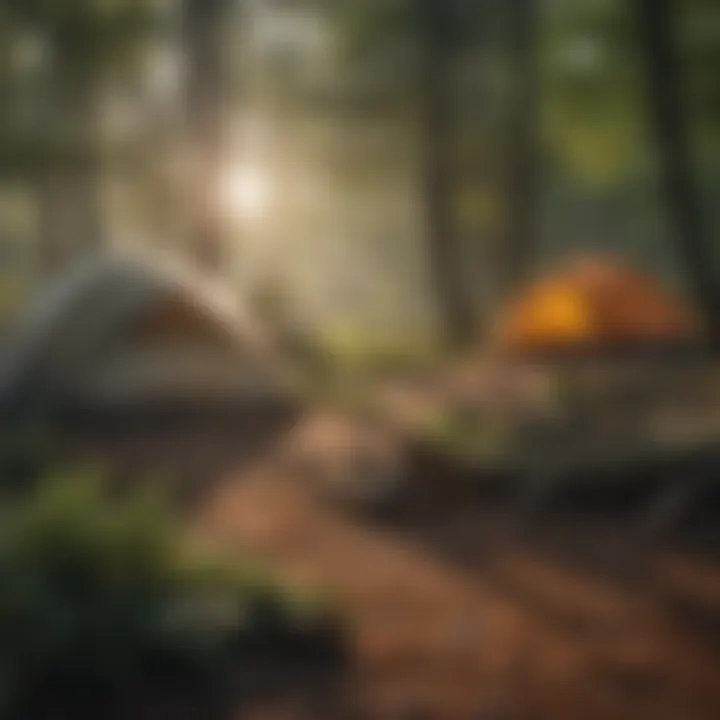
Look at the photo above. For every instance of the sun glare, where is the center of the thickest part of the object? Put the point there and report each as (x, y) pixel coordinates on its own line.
(245, 193)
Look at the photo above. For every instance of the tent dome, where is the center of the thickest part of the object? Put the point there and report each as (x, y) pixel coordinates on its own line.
(596, 303)
(123, 329)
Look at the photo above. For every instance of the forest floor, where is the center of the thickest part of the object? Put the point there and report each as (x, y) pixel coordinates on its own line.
(464, 610)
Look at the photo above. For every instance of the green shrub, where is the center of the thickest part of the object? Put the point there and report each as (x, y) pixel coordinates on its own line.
(102, 601)
(24, 447)
(474, 439)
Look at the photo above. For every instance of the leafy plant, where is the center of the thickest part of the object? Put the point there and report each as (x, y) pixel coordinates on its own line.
(475, 439)
(24, 445)
(104, 602)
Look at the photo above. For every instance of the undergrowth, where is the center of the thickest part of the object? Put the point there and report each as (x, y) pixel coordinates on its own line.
(105, 602)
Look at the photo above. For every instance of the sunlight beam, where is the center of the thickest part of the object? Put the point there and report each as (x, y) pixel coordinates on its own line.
(245, 193)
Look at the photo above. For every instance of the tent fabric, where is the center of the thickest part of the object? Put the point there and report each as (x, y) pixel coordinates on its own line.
(599, 304)
(120, 325)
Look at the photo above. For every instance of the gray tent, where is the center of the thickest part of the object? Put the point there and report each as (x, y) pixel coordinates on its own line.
(123, 331)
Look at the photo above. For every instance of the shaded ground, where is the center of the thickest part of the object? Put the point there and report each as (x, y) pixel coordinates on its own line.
(460, 612)
(461, 608)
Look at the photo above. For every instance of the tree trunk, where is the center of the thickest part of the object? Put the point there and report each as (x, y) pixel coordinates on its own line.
(52, 223)
(203, 23)
(89, 221)
(69, 188)
(437, 126)
(71, 218)
(518, 251)
(655, 20)
(86, 178)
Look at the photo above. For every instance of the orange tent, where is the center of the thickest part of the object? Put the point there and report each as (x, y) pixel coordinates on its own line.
(597, 303)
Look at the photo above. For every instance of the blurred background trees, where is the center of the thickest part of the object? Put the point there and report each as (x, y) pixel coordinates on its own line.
(63, 62)
(394, 166)
(204, 41)
(667, 114)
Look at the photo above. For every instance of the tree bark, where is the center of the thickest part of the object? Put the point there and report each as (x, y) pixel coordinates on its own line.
(655, 21)
(518, 251)
(439, 181)
(203, 22)
(51, 203)
(90, 213)
(69, 185)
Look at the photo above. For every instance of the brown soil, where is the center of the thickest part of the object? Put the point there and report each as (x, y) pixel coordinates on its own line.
(462, 612)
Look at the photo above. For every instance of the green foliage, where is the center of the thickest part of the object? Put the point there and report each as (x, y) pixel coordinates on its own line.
(104, 600)
(13, 292)
(593, 112)
(354, 350)
(474, 439)
(24, 445)
(595, 118)
(72, 49)
(699, 40)
(84, 37)
(374, 27)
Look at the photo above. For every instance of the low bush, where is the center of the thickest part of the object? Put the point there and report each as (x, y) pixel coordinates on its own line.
(24, 447)
(103, 602)
(473, 439)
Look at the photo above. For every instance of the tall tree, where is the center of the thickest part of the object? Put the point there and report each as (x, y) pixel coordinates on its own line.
(203, 22)
(70, 189)
(83, 44)
(436, 36)
(438, 32)
(656, 20)
(519, 237)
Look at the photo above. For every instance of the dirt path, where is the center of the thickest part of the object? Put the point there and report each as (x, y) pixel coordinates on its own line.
(454, 614)
(508, 634)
